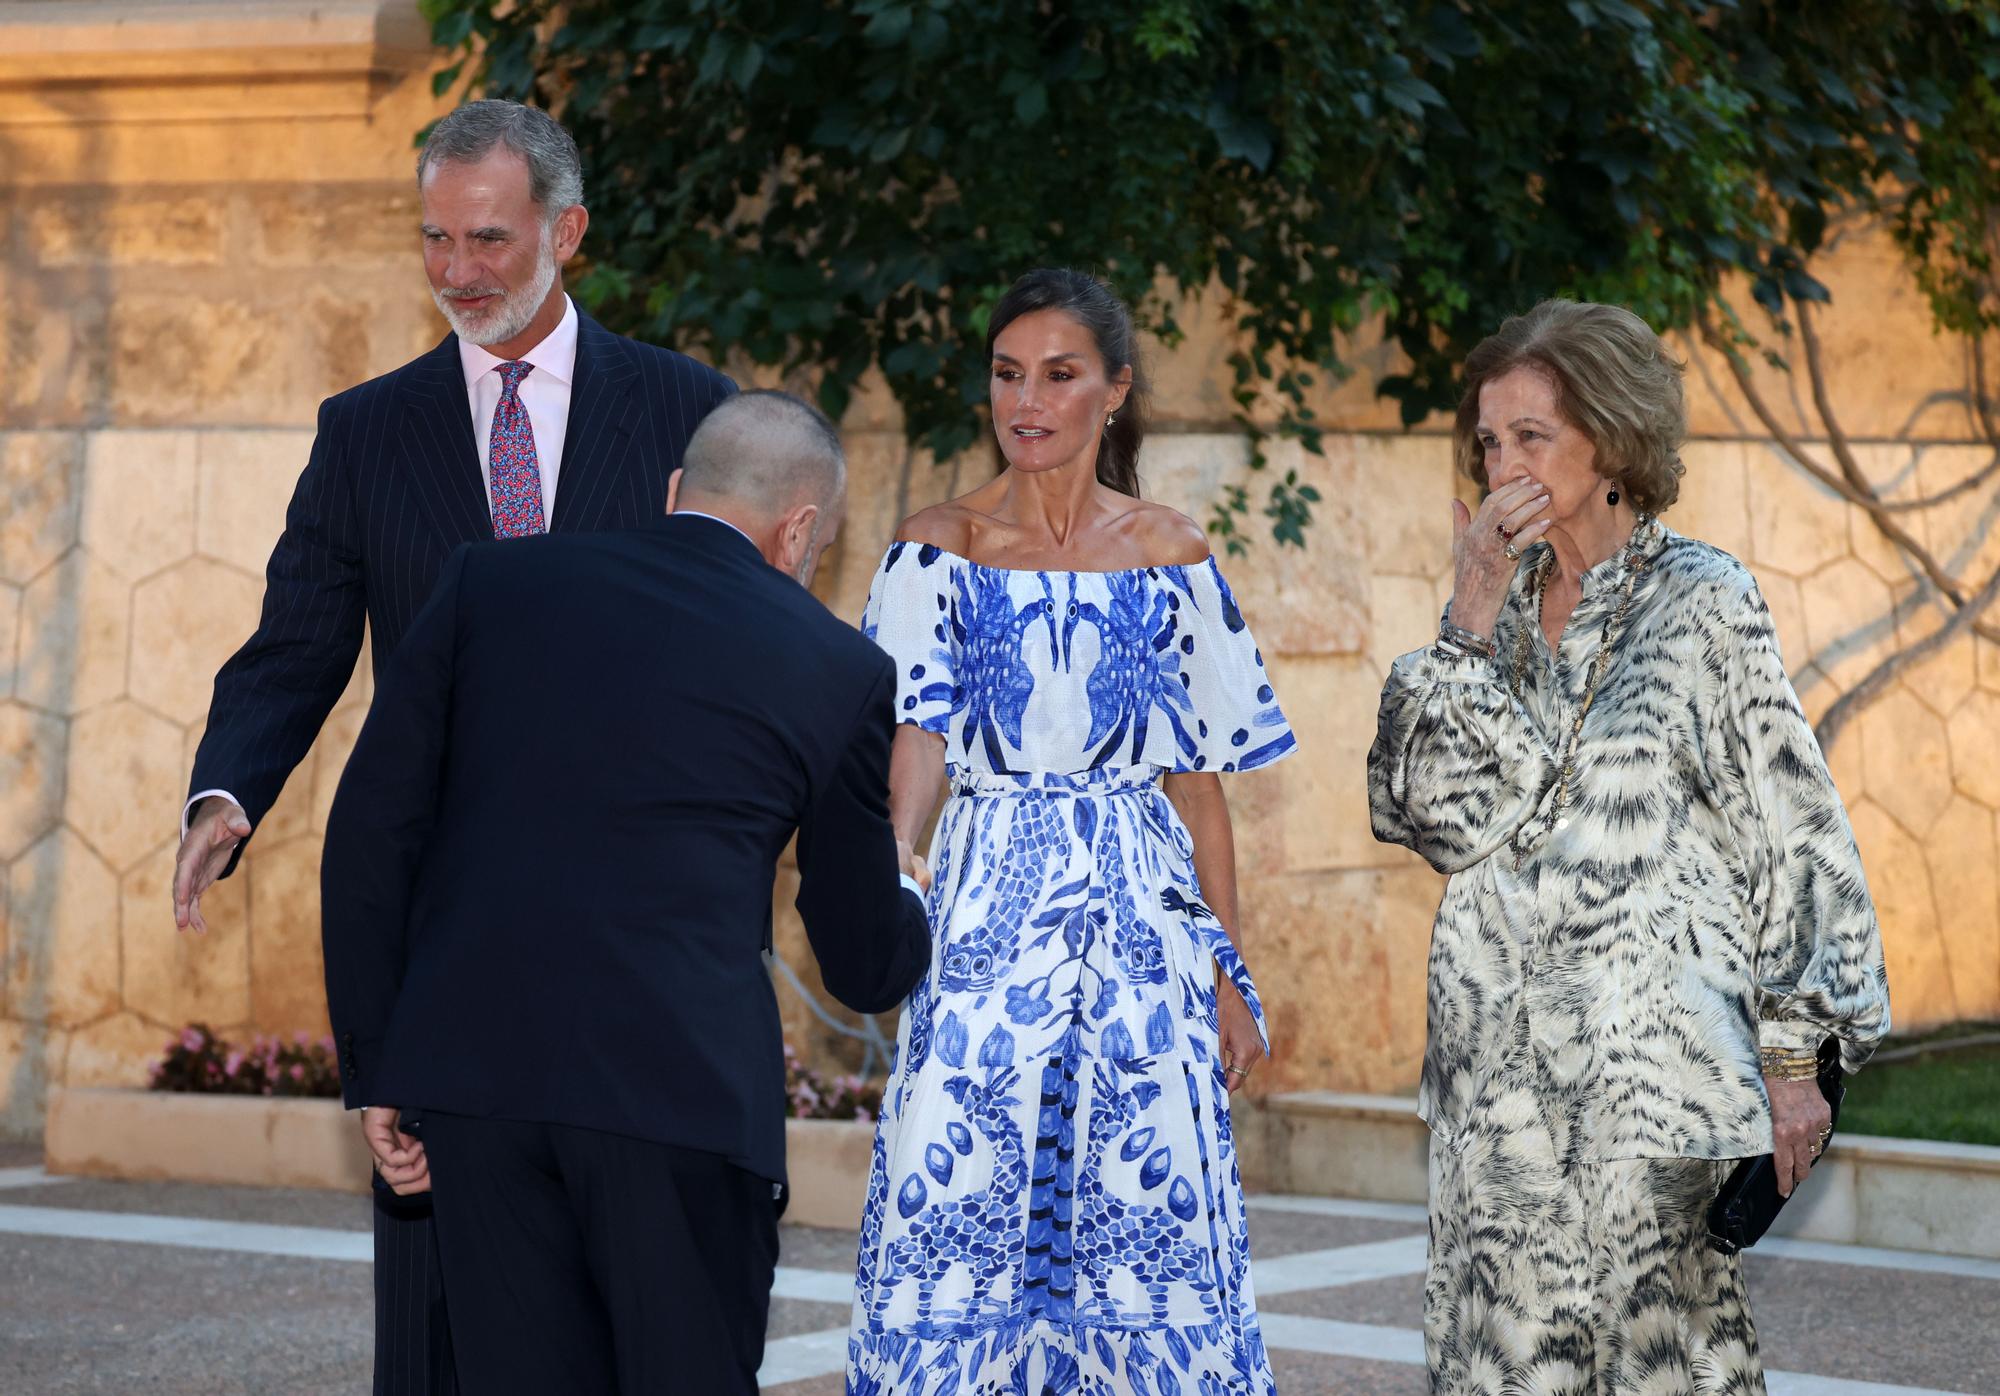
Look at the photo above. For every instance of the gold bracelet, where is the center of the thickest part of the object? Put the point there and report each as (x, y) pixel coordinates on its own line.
(1793, 1054)
(1788, 1054)
(1780, 1065)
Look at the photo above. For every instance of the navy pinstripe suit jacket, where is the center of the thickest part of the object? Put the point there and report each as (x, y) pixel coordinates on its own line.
(392, 487)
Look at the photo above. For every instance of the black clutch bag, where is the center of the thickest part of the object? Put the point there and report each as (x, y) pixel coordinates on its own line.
(1749, 1202)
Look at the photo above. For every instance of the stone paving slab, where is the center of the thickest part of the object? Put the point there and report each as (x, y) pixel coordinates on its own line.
(790, 1317)
(1398, 1303)
(1890, 1326)
(272, 1206)
(1864, 1324)
(811, 1386)
(109, 1316)
(1313, 1374)
(98, 1317)
(816, 1248)
(1274, 1234)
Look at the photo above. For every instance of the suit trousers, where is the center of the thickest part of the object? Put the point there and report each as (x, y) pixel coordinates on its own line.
(412, 1336)
(596, 1264)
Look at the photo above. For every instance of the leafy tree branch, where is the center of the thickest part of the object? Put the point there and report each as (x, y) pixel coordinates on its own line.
(843, 189)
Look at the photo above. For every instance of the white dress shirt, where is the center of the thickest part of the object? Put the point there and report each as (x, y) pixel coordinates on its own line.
(545, 393)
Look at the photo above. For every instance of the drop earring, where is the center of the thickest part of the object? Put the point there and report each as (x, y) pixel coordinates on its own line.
(1612, 498)
(1109, 419)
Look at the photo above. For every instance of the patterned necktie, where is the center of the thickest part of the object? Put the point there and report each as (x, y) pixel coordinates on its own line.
(517, 475)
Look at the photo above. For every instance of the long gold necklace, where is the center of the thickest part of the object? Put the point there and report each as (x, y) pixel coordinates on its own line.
(1614, 627)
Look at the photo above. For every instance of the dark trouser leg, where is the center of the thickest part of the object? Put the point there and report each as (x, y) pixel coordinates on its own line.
(526, 1316)
(412, 1338)
(683, 1246)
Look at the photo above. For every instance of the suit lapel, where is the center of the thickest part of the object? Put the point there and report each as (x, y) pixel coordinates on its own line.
(443, 456)
(603, 410)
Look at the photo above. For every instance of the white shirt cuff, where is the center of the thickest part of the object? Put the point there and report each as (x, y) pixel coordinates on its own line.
(196, 799)
(911, 883)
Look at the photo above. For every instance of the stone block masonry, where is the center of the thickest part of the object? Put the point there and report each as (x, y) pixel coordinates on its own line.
(206, 228)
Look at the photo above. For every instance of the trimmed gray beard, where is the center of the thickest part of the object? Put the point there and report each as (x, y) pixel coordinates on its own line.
(514, 312)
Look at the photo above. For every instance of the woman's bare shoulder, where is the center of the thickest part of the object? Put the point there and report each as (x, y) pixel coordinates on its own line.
(1167, 537)
(947, 526)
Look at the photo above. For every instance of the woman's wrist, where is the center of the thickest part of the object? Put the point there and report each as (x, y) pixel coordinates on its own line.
(1472, 616)
(1459, 640)
(1788, 1063)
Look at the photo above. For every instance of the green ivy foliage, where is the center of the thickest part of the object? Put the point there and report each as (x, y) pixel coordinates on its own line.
(840, 185)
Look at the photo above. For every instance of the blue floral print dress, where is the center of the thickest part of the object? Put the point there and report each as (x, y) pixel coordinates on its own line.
(1055, 1205)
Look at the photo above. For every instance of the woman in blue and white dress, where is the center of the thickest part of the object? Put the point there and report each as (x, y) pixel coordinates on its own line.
(1055, 1204)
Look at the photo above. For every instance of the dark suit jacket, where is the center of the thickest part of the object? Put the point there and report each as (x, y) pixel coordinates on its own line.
(548, 868)
(391, 489)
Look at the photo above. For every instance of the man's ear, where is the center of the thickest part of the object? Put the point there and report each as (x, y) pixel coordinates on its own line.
(674, 489)
(795, 535)
(570, 226)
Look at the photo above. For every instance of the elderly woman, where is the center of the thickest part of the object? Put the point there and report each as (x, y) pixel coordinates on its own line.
(1656, 913)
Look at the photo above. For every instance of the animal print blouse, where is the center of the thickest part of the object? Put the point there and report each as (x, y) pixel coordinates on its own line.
(1700, 894)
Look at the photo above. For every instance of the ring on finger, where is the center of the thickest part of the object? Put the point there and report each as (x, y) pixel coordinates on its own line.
(1512, 553)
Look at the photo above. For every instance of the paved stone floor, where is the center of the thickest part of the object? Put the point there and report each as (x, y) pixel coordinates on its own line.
(192, 1291)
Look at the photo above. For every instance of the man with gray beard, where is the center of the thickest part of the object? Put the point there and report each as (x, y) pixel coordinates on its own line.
(528, 418)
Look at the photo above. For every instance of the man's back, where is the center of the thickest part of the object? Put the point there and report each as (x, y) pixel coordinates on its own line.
(625, 731)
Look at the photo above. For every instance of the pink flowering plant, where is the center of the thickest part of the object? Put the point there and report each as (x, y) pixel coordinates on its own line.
(811, 1096)
(197, 1060)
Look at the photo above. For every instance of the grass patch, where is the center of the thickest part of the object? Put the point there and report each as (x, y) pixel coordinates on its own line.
(1951, 1095)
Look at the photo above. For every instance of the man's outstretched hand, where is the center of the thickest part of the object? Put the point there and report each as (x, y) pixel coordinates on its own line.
(399, 1157)
(914, 866)
(218, 826)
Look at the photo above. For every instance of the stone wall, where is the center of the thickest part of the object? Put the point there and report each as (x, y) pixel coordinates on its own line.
(191, 265)
(206, 226)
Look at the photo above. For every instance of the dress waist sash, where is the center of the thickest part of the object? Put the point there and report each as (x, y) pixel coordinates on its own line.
(1120, 780)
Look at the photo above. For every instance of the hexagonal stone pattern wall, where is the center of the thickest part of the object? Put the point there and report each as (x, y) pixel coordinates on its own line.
(116, 609)
(131, 562)
(123, 596)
